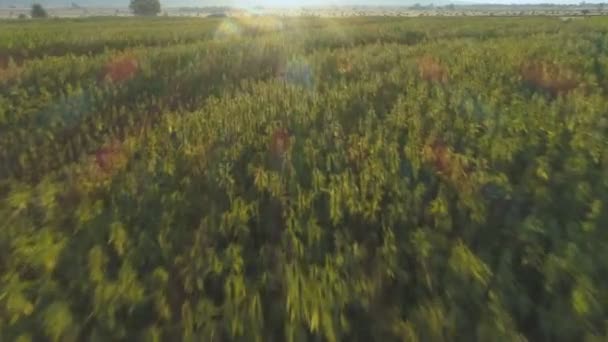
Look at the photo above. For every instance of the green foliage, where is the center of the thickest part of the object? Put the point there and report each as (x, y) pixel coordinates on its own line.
(303, 179)
(145, 7)
(38, 11)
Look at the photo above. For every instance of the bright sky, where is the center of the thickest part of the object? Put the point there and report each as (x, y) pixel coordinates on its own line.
(275, 3)
(287, 3)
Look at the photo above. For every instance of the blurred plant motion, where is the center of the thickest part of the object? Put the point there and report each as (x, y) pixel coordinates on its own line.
(295, 178)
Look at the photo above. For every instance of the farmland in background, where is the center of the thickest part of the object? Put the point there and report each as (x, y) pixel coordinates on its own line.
(294, 179)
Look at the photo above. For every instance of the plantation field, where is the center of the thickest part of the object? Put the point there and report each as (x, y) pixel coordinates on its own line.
(266, 179)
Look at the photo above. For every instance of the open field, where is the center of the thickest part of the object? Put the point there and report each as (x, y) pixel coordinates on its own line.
(295, 179)
(333, 12)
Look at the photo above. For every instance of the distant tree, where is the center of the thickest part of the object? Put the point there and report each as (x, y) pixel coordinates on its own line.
(22, 16)
(585, 12)
(145, 7)
(38, 11)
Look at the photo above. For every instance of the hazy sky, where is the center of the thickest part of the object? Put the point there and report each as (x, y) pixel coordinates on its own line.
(354, 2)
(274, 3)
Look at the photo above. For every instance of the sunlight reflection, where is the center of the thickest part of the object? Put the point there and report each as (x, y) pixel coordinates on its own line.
(268, 24)
(228, 29)
(299, 72)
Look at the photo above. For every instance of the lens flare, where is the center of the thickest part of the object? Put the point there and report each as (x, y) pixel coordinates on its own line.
(228, 29)
(298, 72)
(267, 24)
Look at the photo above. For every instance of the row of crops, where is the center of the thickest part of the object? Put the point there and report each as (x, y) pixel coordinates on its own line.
(302, 179)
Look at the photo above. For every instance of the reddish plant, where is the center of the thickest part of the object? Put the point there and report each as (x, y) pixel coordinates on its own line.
(9, 74)
(109, 156)
(432, 70)
(440, 156)
(451, 166)
(8, 71)
(279, 68)
(279, 143)
(445, 160)
(120, 69)
(357, 152)
(344, 65)
(3, 61)
(549, 77)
